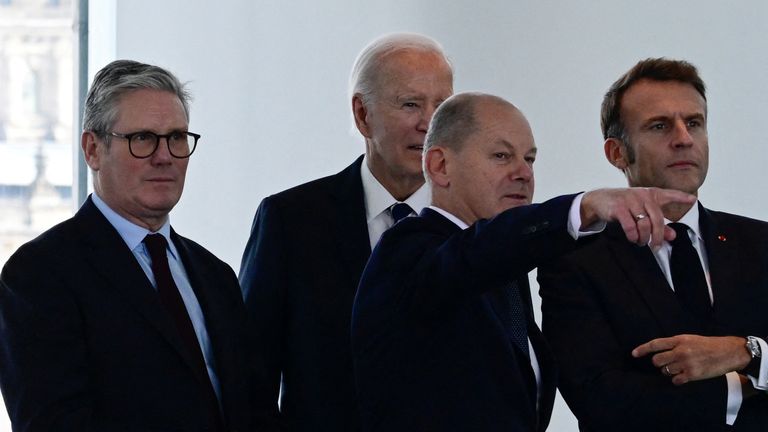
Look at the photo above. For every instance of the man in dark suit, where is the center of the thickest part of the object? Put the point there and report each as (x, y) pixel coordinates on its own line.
(110, 321)
(443, 334)
(670, 338)
(309, 244)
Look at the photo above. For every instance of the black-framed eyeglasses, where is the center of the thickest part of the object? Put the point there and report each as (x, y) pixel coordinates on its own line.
(181, 144)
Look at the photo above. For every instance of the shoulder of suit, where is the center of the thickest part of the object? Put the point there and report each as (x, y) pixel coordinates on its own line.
(316, 190)
(421, 227)
(738, 220)
(201, 256)
(51, 240)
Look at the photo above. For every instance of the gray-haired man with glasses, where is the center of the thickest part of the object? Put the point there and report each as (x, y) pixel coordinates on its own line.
(110, 320)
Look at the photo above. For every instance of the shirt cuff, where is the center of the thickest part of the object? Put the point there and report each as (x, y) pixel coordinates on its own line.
(760, 382)
(574, 221)
(734, 397)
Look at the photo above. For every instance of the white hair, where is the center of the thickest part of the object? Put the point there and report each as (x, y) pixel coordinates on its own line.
(368, 64)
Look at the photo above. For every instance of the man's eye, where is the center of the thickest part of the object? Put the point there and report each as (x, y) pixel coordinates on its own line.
(694, 123)
(530, 160)
(142, 136)
(501, 155)
(658, 126)
(410, 105)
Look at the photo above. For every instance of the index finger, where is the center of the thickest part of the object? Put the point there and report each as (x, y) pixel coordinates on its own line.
(656, 345)
(671, 196)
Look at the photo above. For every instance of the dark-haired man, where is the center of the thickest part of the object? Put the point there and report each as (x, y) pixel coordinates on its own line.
(667, 339)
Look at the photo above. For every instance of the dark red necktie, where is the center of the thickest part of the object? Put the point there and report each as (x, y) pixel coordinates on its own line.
(171, 299)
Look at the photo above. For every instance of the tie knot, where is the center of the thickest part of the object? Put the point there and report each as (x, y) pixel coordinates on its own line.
(400, 211)
(681, 230)
(156, 244)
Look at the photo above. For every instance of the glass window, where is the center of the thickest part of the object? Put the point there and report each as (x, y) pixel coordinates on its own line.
(37, 107)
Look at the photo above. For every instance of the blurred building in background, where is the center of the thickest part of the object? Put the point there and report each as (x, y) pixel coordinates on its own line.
(37, 42)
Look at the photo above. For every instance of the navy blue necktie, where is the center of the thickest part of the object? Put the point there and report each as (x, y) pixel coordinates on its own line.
(399, 211)
(509, 307)
(688, 276)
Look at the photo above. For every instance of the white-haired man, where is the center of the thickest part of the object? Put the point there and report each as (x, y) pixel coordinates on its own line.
(309, 244)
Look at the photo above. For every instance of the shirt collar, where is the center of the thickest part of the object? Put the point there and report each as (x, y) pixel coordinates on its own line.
(460, 223)
(691, 218)
(378, 199)
(132, 234)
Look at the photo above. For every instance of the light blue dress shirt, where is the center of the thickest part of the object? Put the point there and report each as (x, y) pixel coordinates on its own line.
(133, 236)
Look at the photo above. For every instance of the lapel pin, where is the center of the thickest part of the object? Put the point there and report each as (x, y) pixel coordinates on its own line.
(722, 238)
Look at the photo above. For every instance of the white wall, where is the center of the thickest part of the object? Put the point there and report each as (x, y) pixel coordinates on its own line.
(269, 79)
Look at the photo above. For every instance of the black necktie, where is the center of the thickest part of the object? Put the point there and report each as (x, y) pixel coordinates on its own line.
(509, 307)
(171, 299)
(688, 276)
(400, 211)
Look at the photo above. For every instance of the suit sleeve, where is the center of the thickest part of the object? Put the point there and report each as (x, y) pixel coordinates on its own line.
(605, 387)
(44, 359)
(263, 276)
(419, 271)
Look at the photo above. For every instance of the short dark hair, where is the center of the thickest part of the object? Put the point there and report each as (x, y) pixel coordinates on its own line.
(656, 69)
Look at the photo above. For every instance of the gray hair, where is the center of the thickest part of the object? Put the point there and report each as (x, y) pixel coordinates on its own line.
(454, 121)
(367, 67)
(118, 78)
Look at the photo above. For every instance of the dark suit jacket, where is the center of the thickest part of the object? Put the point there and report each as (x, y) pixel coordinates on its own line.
(87, 345)
(605, 299)
(430, 352)
(299, 274)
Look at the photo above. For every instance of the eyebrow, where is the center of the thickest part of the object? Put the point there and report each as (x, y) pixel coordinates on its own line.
(696, 115)
(512, 148)
(410, 96)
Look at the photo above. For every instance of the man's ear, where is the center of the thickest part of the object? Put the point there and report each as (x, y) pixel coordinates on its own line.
(436, 166)
(360, 113)
(616, 153)
(90, 144)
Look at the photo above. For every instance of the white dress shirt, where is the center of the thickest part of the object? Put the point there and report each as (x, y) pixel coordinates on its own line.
(133, 236)
(662, 257)
(378, 201)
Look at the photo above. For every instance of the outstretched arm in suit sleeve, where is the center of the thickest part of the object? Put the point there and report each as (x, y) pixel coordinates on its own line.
(263, 275)
(605, 386)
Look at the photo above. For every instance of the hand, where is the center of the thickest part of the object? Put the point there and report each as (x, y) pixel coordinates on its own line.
(691, 358)
(638, 210)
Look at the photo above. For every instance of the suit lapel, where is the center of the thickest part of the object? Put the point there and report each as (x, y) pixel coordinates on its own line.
(645, 276)
(109, 257)
(203, 282)
(722, 255)
(348, 222)
(447, 228)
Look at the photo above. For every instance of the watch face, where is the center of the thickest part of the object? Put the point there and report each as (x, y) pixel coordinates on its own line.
(753, 346)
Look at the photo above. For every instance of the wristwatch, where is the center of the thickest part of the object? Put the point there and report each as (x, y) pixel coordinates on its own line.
(753, 347)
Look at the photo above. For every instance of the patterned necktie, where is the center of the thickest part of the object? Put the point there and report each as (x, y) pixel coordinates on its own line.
(171, 299)
(508, 304)
(399, 211)
(688, 276)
